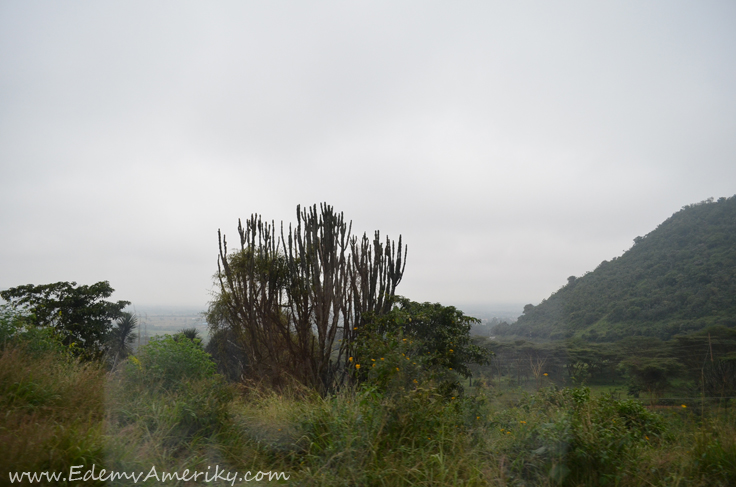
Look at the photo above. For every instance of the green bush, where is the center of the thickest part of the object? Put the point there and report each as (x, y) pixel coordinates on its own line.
(571, 438)
(171, 387)
(396, 365)
(17, 330)
(168, 363)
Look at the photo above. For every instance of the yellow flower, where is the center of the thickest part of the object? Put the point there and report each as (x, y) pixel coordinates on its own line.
(477, 417)
(350, 359)
(545, 374)
(355, 328)
(450, 368)
(522, 422)
(397, 369)
(373, 365)
(508, 432)
(451, 350)
(404, 339)
(645, 436)
(357, 366)
(453, 397)
(416, 381)
(684, 406)
(373, 359)
(381, 358)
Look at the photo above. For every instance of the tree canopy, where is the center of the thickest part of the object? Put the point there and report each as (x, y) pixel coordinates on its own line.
(442, 333)
(78, 314)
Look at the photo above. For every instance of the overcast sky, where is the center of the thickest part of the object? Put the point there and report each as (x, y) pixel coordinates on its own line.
(511, 144)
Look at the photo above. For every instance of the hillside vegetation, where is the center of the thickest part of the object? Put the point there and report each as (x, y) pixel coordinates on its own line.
(318, 373)
(678, 279)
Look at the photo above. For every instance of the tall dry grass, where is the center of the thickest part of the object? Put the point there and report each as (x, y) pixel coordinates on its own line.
(52, 412)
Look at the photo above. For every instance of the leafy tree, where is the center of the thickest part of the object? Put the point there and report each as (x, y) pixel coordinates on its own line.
(79, 315)
(442, 333)
(650, 374)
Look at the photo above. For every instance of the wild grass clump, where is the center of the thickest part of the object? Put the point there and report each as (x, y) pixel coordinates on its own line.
(52, 411)
(357, 437)
(566, 437)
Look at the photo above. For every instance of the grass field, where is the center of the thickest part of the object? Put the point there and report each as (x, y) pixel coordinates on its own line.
(169, 410)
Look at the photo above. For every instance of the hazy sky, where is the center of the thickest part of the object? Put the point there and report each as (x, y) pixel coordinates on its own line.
(512, 144)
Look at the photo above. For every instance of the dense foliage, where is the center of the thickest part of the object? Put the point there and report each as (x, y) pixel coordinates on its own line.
(169, 363)
(677, 279)
(438, 335)
(175, 378)
(16, 330)
(78, 314)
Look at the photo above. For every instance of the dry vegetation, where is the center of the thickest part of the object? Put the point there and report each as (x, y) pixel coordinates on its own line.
(169, 408)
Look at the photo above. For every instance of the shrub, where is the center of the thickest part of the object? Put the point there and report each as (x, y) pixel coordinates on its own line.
(171, 388)
(168, 363)
(395, 365)
(570, 438)
(17, 330)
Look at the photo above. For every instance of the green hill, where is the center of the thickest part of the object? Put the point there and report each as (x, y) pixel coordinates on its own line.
(677, 279)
